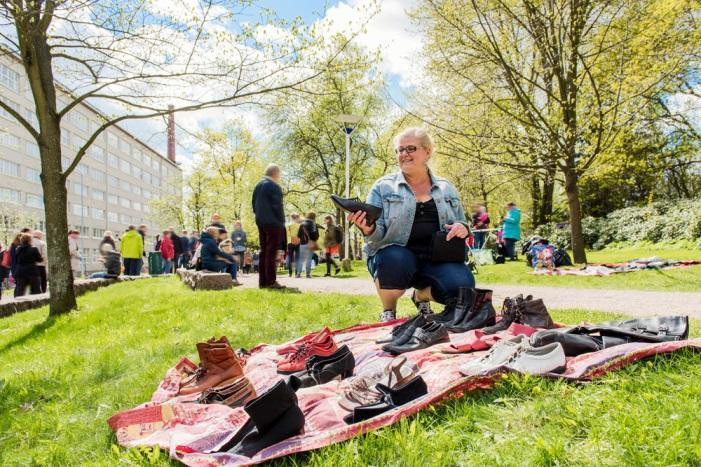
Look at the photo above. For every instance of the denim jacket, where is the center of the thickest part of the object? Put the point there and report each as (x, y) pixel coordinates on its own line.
(394, 195)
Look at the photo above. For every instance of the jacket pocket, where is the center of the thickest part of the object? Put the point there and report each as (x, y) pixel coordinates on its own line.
(392, 205)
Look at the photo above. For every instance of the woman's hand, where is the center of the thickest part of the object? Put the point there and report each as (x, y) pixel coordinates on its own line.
(358, 218)
(456, 230)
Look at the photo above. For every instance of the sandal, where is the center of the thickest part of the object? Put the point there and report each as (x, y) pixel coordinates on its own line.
(363, 391)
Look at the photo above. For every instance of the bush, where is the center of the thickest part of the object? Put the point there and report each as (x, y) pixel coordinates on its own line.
(669, 222)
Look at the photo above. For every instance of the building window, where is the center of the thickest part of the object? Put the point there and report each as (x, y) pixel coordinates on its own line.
(9, 168)
(112, 199)
(146, 177)
(80, 120)
(137, 155)
(32, 149)
(136, 190)
(124, 185)
(136, 206)
(124, 166)
(147, 194)
(97, 175)
(80, 190)
(98, 195)
(79, 210)
(65, 137)
(9, 140)
(32, 175)
(112, 217)
(9, 78)
(136, 172)
(124, 145)
(15, 106)
(113, 161)
(125, 219)
(9, 196)
(35, 201)
(113, 181)
(97, 153)
(97, 214)
(124, 202)
(111, 141)
(98, 233)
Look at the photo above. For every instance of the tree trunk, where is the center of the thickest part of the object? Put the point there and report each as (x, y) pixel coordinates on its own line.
(535, 200)
(575, 208)
(62, 298)
(546, 207)
(36, 58)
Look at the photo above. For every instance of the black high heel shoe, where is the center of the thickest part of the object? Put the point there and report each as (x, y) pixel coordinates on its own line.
(391, 398)
(372, 213)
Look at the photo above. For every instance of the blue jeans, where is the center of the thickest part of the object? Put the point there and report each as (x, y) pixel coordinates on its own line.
(167, 265)
(397, 268)
(510, 245)
(304, 257)
(480, 237)
(232, 269)
(292, 260)
(132, 266)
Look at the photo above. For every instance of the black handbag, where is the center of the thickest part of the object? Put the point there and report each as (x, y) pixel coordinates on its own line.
(447, 251)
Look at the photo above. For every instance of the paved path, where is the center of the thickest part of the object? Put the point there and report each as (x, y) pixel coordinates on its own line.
(632, 302)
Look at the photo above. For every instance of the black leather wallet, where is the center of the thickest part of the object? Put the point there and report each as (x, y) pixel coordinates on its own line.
(445, 251)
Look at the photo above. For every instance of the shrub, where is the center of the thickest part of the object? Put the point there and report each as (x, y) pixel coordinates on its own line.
(657, 222)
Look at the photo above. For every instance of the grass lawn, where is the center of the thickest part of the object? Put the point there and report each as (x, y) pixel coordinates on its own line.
(682, 280)
(62, 379)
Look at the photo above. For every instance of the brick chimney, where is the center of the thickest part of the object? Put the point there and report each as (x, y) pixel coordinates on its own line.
(171, 134)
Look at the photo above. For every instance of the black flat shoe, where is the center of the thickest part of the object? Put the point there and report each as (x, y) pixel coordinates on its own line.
(402, 333)
(425, 336)
(372, 213)
(391, 398)
(321, 370)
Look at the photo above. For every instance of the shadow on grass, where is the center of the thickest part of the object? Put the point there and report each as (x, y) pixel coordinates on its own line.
(37, 330)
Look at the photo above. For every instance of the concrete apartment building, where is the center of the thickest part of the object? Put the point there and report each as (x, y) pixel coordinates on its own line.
(110, 188)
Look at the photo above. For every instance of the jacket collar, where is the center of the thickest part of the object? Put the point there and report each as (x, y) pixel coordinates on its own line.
(402, 180)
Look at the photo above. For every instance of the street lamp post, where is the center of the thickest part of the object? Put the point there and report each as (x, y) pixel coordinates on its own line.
(349, 124)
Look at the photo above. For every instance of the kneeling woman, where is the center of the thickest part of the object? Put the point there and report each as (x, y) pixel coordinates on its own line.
(415, 205)
(212, 257)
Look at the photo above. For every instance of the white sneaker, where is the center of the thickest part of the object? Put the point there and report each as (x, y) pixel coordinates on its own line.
(498, 355)
(539, 360)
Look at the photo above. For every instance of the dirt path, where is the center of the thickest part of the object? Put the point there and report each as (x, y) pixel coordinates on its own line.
(632, 302)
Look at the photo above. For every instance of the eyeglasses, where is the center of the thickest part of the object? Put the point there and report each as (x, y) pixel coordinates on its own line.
(407, 149)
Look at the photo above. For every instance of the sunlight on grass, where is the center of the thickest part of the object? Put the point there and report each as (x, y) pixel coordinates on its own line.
(62, 379)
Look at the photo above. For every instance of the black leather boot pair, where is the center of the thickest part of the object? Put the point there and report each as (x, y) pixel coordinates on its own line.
(391, 398)
(321, 370)
(421, 334)
(275, 416)
(472, 309)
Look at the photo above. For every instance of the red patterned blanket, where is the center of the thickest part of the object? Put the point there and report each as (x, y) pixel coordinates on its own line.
(192, 433)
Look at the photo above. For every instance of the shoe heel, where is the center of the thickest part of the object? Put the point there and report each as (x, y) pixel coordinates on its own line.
(559, 369)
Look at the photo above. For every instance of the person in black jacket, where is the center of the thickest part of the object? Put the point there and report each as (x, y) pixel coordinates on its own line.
(27, 271)
(177, 247)
(270, 219)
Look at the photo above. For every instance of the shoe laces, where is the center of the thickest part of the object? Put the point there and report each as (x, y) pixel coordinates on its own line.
(302, 352)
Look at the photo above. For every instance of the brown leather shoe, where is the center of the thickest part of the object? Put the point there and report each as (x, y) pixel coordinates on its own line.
(219, 366)
(235, 394)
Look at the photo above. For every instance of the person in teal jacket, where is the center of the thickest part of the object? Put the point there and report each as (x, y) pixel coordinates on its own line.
(512, 229)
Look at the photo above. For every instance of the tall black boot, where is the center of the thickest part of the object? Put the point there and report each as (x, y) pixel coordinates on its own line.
(275, 416)
(456, 312)
(479, 315)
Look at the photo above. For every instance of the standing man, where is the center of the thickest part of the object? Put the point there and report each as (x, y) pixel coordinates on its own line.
(512, 229)
(239, 240)
(185, 247)
(40, 245)
(177, 248)
(74, 250)
(332, 242)
(132, 250)
(293, 260)
(270, 219)
(308, 236)
(142, 231)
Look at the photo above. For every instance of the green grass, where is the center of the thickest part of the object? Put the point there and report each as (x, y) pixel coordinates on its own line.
(62, 379)
(681, 280)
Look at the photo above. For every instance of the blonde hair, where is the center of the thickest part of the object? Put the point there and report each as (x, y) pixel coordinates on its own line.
(418, 133)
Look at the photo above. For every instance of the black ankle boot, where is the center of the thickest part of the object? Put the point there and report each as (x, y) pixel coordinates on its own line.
(275, 416)
(321, 370)
(456, 312)
(510, 313)
(480, 314)
(534, 314)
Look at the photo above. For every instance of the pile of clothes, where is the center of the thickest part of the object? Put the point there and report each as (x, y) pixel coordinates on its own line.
(606, 269)
(241, 407)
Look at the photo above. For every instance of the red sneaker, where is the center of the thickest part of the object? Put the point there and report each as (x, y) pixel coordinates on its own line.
(292, 348)
(297, 361)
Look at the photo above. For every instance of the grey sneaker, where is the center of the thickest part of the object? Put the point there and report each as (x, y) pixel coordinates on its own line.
(538, 360)
(388, 315)
(498, 355)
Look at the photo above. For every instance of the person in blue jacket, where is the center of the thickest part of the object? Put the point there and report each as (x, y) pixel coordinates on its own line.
(211, 256)
(512, 229)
